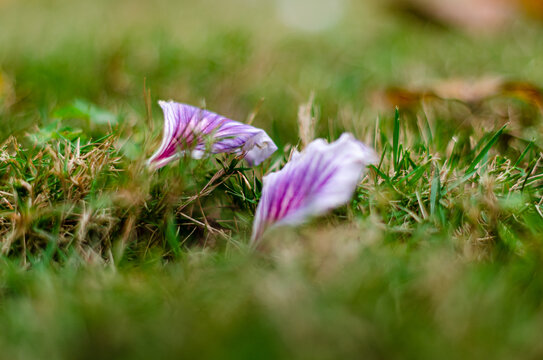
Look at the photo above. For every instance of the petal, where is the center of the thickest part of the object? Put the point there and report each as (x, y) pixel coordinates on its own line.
(322, 177)
(258, 148)
(200, 131)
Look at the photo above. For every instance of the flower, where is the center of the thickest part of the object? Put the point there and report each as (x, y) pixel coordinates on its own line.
(200, 131)
(322, 177)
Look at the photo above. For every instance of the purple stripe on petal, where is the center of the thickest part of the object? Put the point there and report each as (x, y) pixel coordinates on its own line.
(190, 128)
(322, 177)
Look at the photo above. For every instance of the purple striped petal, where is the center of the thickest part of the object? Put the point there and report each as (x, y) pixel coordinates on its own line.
(322, 177)
(200, 131)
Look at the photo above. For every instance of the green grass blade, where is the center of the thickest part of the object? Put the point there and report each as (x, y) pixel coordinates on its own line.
(396, 139)
(485, 149)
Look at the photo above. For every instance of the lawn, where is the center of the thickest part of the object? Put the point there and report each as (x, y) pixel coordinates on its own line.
(439, 253)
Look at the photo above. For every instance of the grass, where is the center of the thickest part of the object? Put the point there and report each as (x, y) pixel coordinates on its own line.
(439, 253)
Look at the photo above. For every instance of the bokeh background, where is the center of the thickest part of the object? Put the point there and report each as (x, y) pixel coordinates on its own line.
(232, 55)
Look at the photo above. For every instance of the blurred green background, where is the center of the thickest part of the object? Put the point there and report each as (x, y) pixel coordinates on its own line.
(230, 55)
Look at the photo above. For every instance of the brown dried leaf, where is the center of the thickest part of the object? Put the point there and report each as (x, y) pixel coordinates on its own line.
(474, 16)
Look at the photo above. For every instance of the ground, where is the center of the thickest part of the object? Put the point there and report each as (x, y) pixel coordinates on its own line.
(438, 255)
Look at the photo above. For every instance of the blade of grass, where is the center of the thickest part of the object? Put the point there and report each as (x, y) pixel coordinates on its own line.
(485, 149)
(396, 139)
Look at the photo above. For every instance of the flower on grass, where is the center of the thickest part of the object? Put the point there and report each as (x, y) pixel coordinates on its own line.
(322, 177)
(188, 128)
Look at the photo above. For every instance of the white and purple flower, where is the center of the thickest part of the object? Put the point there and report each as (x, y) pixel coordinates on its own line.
(188, 128)
(322, 177)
